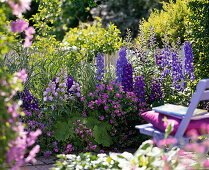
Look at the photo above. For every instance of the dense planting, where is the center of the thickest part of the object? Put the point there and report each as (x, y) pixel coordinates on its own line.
(64, 93)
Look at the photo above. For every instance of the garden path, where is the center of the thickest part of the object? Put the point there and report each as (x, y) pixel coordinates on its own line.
(41, 164)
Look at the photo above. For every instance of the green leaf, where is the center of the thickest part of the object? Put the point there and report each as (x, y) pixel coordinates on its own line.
(62, 131)
(101, 136)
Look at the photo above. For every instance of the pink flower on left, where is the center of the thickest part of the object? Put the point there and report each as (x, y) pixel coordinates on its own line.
(20, 7)
(22, 25)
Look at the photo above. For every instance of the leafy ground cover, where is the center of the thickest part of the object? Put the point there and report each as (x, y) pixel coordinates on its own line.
(60, 96)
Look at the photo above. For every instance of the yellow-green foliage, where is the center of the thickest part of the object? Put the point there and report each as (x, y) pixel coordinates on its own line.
(91, 39)
(170, 20)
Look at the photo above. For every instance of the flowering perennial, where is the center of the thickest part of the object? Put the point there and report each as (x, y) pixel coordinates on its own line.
(30, 103)
(189, 60)
(139, 88)
(128, 78)
(100, 67)
(177, 72)
(121, 62)
(156, 93)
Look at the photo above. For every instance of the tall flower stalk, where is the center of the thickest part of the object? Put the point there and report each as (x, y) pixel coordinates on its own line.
(128, 78)
(189, 70)
(156, 93)
(100, 67)
(121, 62)
(139, 89)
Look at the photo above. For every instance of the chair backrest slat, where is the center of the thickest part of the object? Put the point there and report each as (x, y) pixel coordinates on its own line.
(200, 94)
(205, 95)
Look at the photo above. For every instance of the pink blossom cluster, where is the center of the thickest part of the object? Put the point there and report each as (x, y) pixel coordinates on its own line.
(112, 104)
(22, 25)
(18, 147)
(19, 6)
(84, 135)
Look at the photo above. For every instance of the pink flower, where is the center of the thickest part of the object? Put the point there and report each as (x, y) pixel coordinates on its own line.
(20, 7)
(166, 142)
(103, 85)
(20, 25)
(111, 121)
(116, 111)
(69, 146)
(91, 94)
(101, 118)
(109, 88)
(32, 154)
(22, 75)
(27, 42)
(29, 31)
(82, 99)
(111, 83)
(106, 107)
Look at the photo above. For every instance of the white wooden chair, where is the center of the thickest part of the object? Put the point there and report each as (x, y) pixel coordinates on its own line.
(200, 94)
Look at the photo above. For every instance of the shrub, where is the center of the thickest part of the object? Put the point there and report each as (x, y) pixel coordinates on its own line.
(197, 33)
(90, 40)
(171, 21)
(110, 105)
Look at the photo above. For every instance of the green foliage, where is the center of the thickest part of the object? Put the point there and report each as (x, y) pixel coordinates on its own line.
(91, 40)
(171, 21)
(198, 34)
(101, 135)
(61, 131)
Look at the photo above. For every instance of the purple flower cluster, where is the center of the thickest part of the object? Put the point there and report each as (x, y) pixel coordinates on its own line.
(121, 62)
(139, 88)
(189, 60)
(128, 78)
(100, 67)
(30, 103)
(59, 89)
(156, 93)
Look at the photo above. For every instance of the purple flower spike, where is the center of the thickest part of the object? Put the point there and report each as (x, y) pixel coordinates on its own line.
(156, 93)
(139, 89)
(100, 67)
(121, 62)
(128, 78)
(189, 70)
